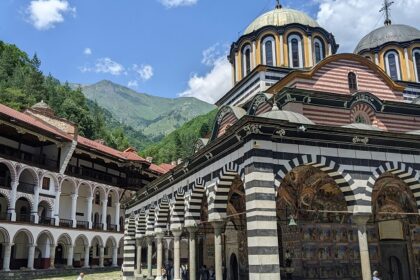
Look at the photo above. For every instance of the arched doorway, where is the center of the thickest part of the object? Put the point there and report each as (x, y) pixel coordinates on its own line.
(81, 244)
(20, 250)
(45, 213)
(59, 256)
(396, 230)
(62, 251)
(4, 240)
(23, 210)
(68, 188)
(234, 268)
(96, 243)
(43, 250)
(316, 236)
(108, 251)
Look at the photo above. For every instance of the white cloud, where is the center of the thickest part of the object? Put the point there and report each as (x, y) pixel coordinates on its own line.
(44, 14)
(178, 3)
(350, 20)
(87, 51)
(144, 71)
(213, 53)
(214, 84)
(133, 84)
(105, 65)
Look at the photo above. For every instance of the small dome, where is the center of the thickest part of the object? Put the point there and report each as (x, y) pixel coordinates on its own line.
(389, 33)
(362, 126)
(280, 17)
(41, 105)
(289, 116)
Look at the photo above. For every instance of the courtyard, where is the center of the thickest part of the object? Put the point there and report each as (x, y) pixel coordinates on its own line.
(115, 275)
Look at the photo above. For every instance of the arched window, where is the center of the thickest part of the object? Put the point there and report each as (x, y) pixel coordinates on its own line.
(318, 50)
(246, 60)
(361, 117)
(352, 78)
(295, 51)
(416, 60)
(97, 198)
(392, 64)
(268, 51)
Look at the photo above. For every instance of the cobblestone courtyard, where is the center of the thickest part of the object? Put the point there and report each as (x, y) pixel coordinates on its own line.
(116, 275)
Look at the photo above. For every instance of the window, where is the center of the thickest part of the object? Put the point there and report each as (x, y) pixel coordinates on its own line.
(393, 65)
(46, 183)
(361, 117)
(295, 51)
(109, 203)
(318, 50)
(268, 52)
(246, 60)
(416, 60)
(97, 198)
(352, 82)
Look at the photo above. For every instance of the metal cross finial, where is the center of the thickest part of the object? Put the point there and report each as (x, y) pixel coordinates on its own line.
(387, 9)
(278, 6)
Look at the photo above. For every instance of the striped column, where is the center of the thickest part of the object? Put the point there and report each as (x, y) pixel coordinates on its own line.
(263, 254)
(129, 249)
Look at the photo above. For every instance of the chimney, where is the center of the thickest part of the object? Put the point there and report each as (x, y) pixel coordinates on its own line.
(149, 159)
(179, 161)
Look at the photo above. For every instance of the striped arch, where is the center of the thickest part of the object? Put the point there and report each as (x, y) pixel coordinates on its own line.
(259, 104)
(218, 196)
(31, 170)
(335, 171)
(12, 169)
(366, 110)
(49, 201)
(178, 210)
(141, 224)
(129, 248)
(226, 117)
(150, 219)
(29, 198)
(193, 203)
(403, 171)
(161, 215)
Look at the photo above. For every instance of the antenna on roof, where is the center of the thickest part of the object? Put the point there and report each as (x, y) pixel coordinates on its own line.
(278, 5)
(387, 9)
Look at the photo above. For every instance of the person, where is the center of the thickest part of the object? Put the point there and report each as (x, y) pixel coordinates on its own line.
(81, 276)
(376, 275)
(212, 274)
(204, 273)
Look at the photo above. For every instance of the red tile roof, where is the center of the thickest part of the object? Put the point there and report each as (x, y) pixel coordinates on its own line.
(167, 166)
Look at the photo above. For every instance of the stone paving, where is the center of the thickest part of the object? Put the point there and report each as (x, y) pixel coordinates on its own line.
(116, 275)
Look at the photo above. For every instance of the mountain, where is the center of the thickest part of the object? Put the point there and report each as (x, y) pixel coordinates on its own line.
(153, 116)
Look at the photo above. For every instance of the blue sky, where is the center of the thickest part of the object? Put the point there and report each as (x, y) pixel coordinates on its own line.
(158, 46)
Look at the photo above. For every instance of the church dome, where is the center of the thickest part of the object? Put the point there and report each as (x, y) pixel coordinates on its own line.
(398, 33)
(289, 116)
(280, 17)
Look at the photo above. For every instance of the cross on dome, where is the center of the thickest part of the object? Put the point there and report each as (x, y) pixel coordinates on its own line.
(387, 9)
(278, 5)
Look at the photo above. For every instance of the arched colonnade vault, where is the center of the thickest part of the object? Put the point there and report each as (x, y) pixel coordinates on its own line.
(240, 223)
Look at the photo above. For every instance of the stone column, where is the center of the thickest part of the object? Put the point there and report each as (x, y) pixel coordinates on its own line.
(7, 254)
(192, 254)
(139, 242)
(360, 221)
(87, 254)
(149, 240)
(168, 244)
(89, 201)
(104, 205)
(115, 256)
(73, 208)
(117, 215)
(407, 65)
(101, 256)
(159, 257)
(70, 256)
(218, 254)
(57, 208)
(52, 256)
(12, 210)
(177, 253)
(34, 211)
(31, 256)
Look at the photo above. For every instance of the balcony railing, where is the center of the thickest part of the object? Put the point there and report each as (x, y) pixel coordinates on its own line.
(88, 173)
(24, 218)
(46, 221)
(66, 223)
(111, 227)
(26, 187)
(21, 156)
(82, 224)
(98, 226)
(4, 216)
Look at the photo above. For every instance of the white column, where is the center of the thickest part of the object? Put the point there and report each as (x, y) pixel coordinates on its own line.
(70, 256)
(329, 49)
(87, 252)
(407, 65)
(159, 257)
(237, 68)
(101, 256)
(57, 208)
(73, 208)
(254, 55)
(281, 50)
(31, 256)
(104, 205)
(89, 201)
(115, 256)
(52, 256)
(7, 254)
(311, 56)
(376, 59)
(218, 229)
(192, 255)
(139, 242)
(149, 240)
(361, 221)
(117, 215)
(177, 253)
(34, 211)
(12, 210)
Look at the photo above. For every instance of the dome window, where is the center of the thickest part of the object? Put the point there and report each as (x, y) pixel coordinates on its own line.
(393, 65)
(295, 51)
(352, 79)
(416, 60)
(318, 50)
(246, 60)
(268, 53)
